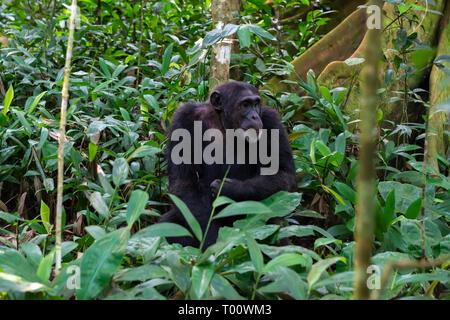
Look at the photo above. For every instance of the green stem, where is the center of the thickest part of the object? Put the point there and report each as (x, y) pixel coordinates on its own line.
(212, 211)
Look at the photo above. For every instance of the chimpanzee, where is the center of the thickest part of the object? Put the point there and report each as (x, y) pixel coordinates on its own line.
(232, 105)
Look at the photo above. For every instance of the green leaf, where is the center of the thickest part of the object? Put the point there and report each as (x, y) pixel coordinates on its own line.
(13, 283)
(388, 77)
(282, 203)
(92, 151)
(100, 261)
(244, 37)
(187, 214)
(326, 93)
(201, 277)
(120, 171)
(104, 67)
(338, 197)
(142, 273)
(255, 254)
(35, 102)
(414, 209)
(286, 281)
(45, 267)
(346, 191)
(245, 207)
(8, 98)
(166, 59)
(99, 204)
(45, 216)
(13, 262)
(96, 232)
(220, 287)
(405, 193)
(32, 252)
(323, 149)
(354, 61)
(23, 121)
(389, 208)
(285, 260)
(439, 275)
(165, 229)
(319, 267)
(136, 205)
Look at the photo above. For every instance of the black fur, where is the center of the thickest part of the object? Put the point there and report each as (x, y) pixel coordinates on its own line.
(192, 183)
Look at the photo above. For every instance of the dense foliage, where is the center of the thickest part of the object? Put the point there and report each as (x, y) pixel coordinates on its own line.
(133, 63)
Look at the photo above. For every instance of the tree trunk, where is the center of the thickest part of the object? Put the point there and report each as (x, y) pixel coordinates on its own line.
(221, 53)
(438, 141)
(236, 19)
(365, 216)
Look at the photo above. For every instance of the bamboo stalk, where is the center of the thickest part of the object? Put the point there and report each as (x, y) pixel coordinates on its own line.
(365, 215)
(62, 135)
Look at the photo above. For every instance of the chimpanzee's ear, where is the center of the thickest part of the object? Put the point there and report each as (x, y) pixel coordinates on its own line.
(216, 100)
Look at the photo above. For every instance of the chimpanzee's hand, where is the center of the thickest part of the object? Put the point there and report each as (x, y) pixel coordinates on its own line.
(226, 188)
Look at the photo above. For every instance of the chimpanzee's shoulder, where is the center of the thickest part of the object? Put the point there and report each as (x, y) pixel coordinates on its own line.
(189, 112)
(270, 117)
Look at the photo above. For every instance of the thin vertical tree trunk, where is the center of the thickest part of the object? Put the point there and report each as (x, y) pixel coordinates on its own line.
(62, 135)
(236, 19)
(221, 52)
(365, 215)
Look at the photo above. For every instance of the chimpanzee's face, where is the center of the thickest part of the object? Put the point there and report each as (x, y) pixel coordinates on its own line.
(247, 112)
(240, 105)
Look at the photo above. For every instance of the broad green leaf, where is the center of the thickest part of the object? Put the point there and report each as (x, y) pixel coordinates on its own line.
(104, 67)
(245, 207)
(324, 241)
(221, 288)
(323, 149)
(165, 229)
(99, 204)
(319, 267)
(337, 196)
(13, 262)
(35, 102)
(354, 61)
(96, 232)
(285, 260)
(346, 191)
(120, 171)
(297, 231)
(244, 37)
(8, 98)
(414, 209)
(405, 194)
(222, 200)
(45, 216)
(282, 203)
(32, 252)
(255, 254)
(286, 281)
(187, 214)
(166, 59)
(201, 277)
(142, 273)
(13, 283)
(136, 205)
(100, 261)
(439, 275)
(92, 151)
(389, 208)
(45, 267)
